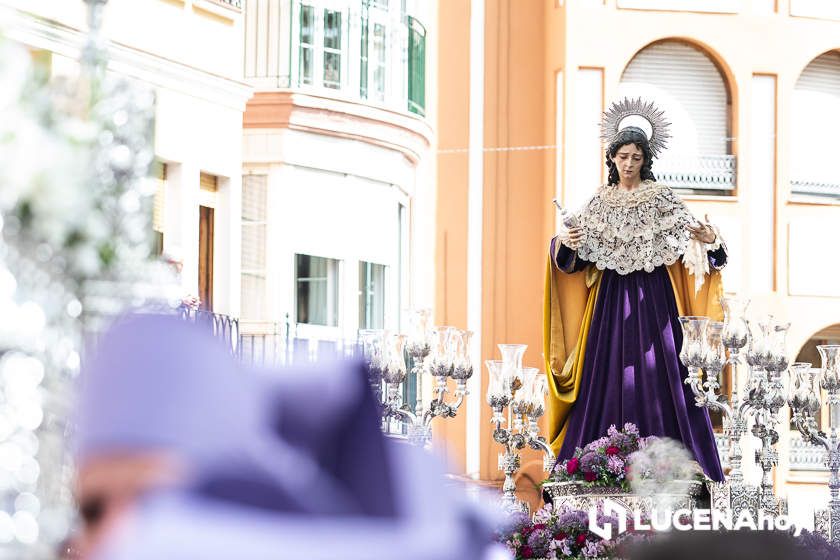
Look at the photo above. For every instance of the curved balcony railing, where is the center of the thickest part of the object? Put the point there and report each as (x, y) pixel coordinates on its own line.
(223, 327)
(816, 188)
(238, 4)
(805, 456)
(701, 173)
(270, 344)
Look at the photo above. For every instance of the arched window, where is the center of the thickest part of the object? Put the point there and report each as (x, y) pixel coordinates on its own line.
(814, 124)
(684, 82)
(803, 454)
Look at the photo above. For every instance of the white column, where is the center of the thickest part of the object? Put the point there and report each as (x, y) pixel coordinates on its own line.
(227, 246)
(558, 138)
(475, 223)
(182, 219)
(280, 249)
(587, 168)
(760, 192)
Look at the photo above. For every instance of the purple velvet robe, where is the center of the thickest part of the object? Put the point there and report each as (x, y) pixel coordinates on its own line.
(631, 370)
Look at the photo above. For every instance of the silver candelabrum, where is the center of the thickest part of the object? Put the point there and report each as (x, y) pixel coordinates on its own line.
(521, 391)
(806, 402)
(705, 348)
(442, 352)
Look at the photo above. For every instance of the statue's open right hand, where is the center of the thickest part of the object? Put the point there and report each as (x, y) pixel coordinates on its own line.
(575, 237)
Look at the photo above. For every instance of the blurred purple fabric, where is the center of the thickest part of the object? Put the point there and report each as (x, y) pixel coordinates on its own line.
(321, 430)
(287, 464)
(328, 412)
(432, 523)
(156, 382)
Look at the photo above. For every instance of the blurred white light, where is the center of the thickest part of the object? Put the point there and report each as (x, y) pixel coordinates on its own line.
(27, 442)
(11, 457)
(6, 426)
(28, 502)
(74, 361)
(8, 284)
(7, 480)
(7, 528)
(29, 471)
(29, 414)
(31, 318)
(21, 373)
(26, 527)
(74, 308)
(55, 524)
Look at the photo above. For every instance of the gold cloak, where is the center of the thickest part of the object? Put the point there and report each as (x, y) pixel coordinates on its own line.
(569, 303)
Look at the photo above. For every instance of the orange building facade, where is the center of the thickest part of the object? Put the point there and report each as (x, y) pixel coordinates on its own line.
(752, 89)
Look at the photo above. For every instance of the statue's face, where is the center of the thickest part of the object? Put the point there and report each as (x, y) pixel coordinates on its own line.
(628, 161)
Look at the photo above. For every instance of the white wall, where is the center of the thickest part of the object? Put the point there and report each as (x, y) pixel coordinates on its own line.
(195, 136)
(326, 199)
(196, 33)
(586, 169)
(193, 62)
(760, 190)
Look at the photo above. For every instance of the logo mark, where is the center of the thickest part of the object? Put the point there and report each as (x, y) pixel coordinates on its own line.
(610, 507)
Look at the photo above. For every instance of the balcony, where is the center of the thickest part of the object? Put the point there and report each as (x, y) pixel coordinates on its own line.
(711, 6)
(805, 456)
(238, 4)
(222, 327)
(372, 53)
(815, 188)
(711, 174)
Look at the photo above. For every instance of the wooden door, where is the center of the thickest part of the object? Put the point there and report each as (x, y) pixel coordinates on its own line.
(205, 257)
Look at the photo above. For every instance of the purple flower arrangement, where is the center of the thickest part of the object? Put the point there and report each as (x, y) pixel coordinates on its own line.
(558, 532)
(605, 461)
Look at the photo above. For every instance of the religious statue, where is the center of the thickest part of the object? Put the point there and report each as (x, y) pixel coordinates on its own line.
(620, 274)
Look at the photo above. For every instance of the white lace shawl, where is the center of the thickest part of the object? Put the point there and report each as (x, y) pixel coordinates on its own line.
(635, 230)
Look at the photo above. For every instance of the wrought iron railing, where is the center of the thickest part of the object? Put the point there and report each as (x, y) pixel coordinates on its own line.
(282, 343)
(701, 173)
(233, 3)
(223, 327)
(805, 456)
(815, 188)
(264, 349)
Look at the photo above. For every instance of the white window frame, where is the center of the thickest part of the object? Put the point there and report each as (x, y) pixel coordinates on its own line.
(301, 45)
(377, 16)
(334, 286)
(385, 289)
(341, 51)
(319, 6)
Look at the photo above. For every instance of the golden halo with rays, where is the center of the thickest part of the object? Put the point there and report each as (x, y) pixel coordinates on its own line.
(613, 119)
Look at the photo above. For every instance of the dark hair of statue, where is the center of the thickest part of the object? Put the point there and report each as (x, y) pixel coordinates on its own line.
(635, 136)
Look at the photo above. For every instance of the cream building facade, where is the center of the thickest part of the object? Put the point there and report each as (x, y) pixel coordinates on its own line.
(751, 88)
(338, 181)
(190, 52)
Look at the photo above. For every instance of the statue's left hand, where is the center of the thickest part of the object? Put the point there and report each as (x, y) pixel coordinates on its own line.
(702, 232)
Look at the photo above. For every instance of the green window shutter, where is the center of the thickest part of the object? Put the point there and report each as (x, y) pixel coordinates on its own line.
(416, 67)
(363, 66)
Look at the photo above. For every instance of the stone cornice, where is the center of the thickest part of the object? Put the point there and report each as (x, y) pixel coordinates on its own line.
(295, 110)
(56, 37)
